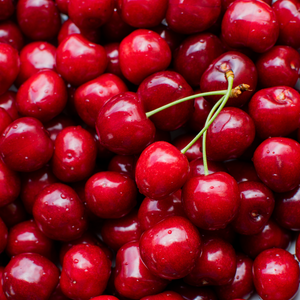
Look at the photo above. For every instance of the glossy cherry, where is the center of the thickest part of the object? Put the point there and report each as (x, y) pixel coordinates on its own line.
(170, 295)
(2, 295)
(194, 152)
(8, 102)
(5, 119)
(7, 8)
(11, 34)
(123, 164)
(3, 236)
(13, 213)
(113, 66)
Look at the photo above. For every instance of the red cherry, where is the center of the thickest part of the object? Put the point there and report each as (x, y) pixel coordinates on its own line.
(277, 163)
(297, 249)
(79, 60)
(161, 170)
(170, 295)
(13, 213)
(29, 15)
(5, 119)
(276, 274)
(105, 297)
(194, 151)
(8, 102)
(123, 164)
(212, 201)
(2, 295)
(132, 278)
(58, 294)
(170, 248)
(146, 48)
(29, 276)
(85, 272)
(62, 5)
(3, 237)
(7, 8)
(59, 213)
(227, 234)
(11, 34)
(25, 146)
(113, 66)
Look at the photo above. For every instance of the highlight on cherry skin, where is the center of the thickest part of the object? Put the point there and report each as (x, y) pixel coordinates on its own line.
(149, 149)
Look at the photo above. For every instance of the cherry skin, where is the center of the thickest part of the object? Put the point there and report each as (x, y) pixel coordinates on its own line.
(29, 276)
(132, 278)
(124, 164)
(160, 89)
(25, 145)
(142, 14)
(85, 272)
(26, 237)
(251, 24)
(113, 66)
(276, 274)
(13, 213)
(214, 78)
(161, 170)
(272, 236)
(9, 66)
(277, 163)
(170, 295)
(29, 15)
(11, 34)
(195, 54)
(297, 249)
(74, 155)
(146, 48)
(78, 60)
(58, 294)
(216, 264)
(3, 236)
(122, 125)
(170, 248)
(194, 151)
(8, 102)
(105, 297)
(5, 119)
(212, 201)
(90, 97)
(7, 8)
(59, 213)
(256, 206)
(2, 295)
(62, 5)
(192, 16)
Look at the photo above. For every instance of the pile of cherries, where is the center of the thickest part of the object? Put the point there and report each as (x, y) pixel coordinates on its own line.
(149, 149)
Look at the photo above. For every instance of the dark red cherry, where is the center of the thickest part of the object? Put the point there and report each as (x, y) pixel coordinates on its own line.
(5, 119)
(122, 125)
(192, 16)
(272, 236)
(194, 152)
(143, 48)
(297, 249)
(34, 57)
(170, 295)
(214, 78)
(227, 234)
(113, 66)
(25, 145)
(11, 34)
(59, 213)
(13, 213)
(90, 97)
(29, 276)
(132, 278)
(195, 54)
(256, 206)
(117, 232)
(142, 14)
(8, 102)
(287, 13)
(275, 111)
(161, 170)
(7, 8)
(242, 285)
(3, 236)
(9, 66)
(29, 15)
(62, 5)
(170, 248)
(85, 272)
(276, 274)
(74, 154)
(162, 88)
(277, 163)
(26, 237)
(58, 294)
(78, 60)
(105, 297)
(212, 201)
(251, 24)
(2, 295)
(123, 164)
(216, 264)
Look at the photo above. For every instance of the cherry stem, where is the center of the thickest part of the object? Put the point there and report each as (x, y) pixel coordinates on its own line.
(154, 111)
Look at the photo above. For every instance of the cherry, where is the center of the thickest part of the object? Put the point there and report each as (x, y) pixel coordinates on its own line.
(11, 34)
(277, 163)
(170, 248)
(161, 170)
(26, 237)
(164, 295)
(9, 66)
(5, 119)
(29, 276)
(212, 201)
(74, 154)
(58, 294)
(160, 89)
(194, 151)
(132, 278)
(8, 102)
(3, 236)
(192, 16)
(123, 164)
(78, 60)
(85, 272)
(62, 5)
(122, 125)
(216, 264)
(59, 213)
(2, 295)
(195, 54)
(29, 15)
(143, 47)
(113, 66)
(276, 274)
(251, 24)
(7, 8)
(25, 146)
(105, 297)
(90, 97)
(297, 247)
(227, 234)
